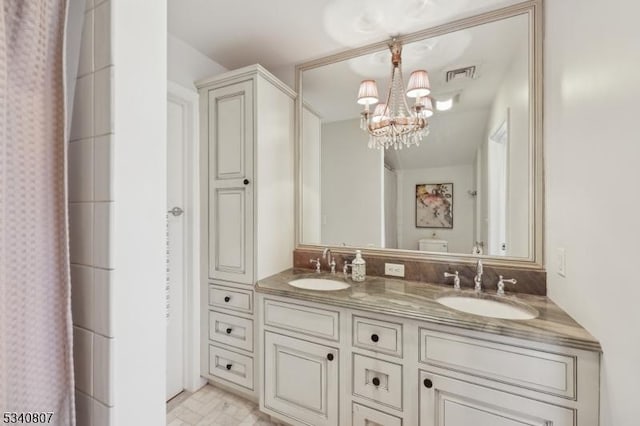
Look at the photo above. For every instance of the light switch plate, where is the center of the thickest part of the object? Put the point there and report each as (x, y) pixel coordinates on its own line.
(394, 269)
(561, 262)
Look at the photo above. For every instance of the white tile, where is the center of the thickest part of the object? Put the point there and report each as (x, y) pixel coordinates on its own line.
(81, 170)
(82, 296)
(102, 305)
(101, 414)
(83, 359)
(84, 408)
(102, 35)
(81, 232)
(85, 66)
(82, 118)
(103, 168)
(103, 100)
(103, 369)
(103, 235)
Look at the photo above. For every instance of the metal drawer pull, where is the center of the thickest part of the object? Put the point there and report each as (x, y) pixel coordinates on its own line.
(375, 338)
(227, 299)
(228, 330)
(229, 366)
(375, 381)
(428, 383)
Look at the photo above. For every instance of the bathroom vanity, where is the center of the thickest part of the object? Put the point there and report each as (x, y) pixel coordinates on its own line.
(385, 352)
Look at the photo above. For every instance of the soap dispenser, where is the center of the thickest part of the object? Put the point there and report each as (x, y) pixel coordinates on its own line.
(358, 267)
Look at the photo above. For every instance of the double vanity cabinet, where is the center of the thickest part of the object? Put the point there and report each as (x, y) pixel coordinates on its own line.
(383, 352)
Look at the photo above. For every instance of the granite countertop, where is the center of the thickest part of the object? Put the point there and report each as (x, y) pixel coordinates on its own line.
(417, 300)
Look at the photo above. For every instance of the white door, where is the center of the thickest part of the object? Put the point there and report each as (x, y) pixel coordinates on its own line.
(497, 172)
(175, 247)
(450, 402)
(301, 379)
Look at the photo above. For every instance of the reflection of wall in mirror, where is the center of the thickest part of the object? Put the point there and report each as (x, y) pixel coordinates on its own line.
(352, 186)
(512, 96)
(310, 194)
(460, 237)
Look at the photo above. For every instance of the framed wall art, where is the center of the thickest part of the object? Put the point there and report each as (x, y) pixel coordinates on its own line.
(434, 205)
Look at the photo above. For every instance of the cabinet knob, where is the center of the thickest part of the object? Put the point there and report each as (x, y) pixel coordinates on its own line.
(228, 366)
(226, 299)
(330, 357)
(428, 383)
(375, 381)
(246, 181)
(375, 338)
(228, 330)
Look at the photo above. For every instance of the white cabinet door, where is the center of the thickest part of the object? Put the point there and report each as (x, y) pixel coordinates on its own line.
(301, 379)
(230, 145)
(450, 402)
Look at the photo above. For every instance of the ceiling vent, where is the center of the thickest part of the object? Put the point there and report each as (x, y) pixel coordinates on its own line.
(460, 73)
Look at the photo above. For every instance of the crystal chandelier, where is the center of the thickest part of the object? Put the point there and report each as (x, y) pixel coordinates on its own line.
(394, 123)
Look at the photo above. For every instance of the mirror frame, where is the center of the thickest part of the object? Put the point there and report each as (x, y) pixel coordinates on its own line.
(534, 10)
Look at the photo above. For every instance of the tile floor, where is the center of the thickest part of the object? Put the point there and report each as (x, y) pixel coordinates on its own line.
(216, 407)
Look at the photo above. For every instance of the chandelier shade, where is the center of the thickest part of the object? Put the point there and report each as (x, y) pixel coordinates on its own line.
(418, 86)
(368, 93)
(393, 123)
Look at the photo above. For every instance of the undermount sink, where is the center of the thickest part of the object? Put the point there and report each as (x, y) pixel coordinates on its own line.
(319, 284)
(488, 306)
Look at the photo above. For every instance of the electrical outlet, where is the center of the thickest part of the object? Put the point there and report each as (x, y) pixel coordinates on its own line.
(561, 262)
(394, 270)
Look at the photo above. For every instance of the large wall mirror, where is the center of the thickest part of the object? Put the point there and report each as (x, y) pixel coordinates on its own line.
(471, 188)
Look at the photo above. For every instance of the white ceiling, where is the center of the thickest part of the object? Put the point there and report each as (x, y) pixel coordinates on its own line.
(281, 33)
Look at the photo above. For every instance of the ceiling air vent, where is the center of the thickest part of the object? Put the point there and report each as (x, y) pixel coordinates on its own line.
(459, 73)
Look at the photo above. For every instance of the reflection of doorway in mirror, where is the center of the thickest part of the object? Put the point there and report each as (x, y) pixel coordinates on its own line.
(498, 154)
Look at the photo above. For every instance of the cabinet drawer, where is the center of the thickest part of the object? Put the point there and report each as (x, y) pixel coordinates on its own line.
(541, 371)
(378, 336)
(365, 416)
(231, 298)
(302, 319)
(378, 380)
(231, 366)
(231, 330)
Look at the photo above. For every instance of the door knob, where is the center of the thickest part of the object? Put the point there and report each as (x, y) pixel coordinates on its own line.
(246, 181)
(374, 338)
(428, 383)
(375, 381)
(330, 357)
(227, 299)
(176, 211)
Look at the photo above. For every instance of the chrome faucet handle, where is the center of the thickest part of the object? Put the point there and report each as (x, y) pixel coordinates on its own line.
(502, 282)
(477, 280)
(317, 263)
(456, 279)
(346, 266)
(333, 266)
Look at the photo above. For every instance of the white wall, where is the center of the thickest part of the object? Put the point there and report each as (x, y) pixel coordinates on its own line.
(390, 209)
(592, 151)
(352, 182)
(310, 157)
(186, 65)
(512, 96)
(138, 245)
(460, 238)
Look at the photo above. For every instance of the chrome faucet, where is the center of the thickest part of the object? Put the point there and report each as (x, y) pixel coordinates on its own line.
(456, 279)
(502, 282)
(326, 254)
(317, 263)
(478, 278)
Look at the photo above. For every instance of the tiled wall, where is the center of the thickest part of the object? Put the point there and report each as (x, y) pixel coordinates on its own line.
(91, 202)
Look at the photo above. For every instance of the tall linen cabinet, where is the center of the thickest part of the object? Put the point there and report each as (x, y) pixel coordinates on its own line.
(247, 222)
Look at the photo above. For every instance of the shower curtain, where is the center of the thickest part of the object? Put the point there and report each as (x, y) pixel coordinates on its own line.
(36, 368)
